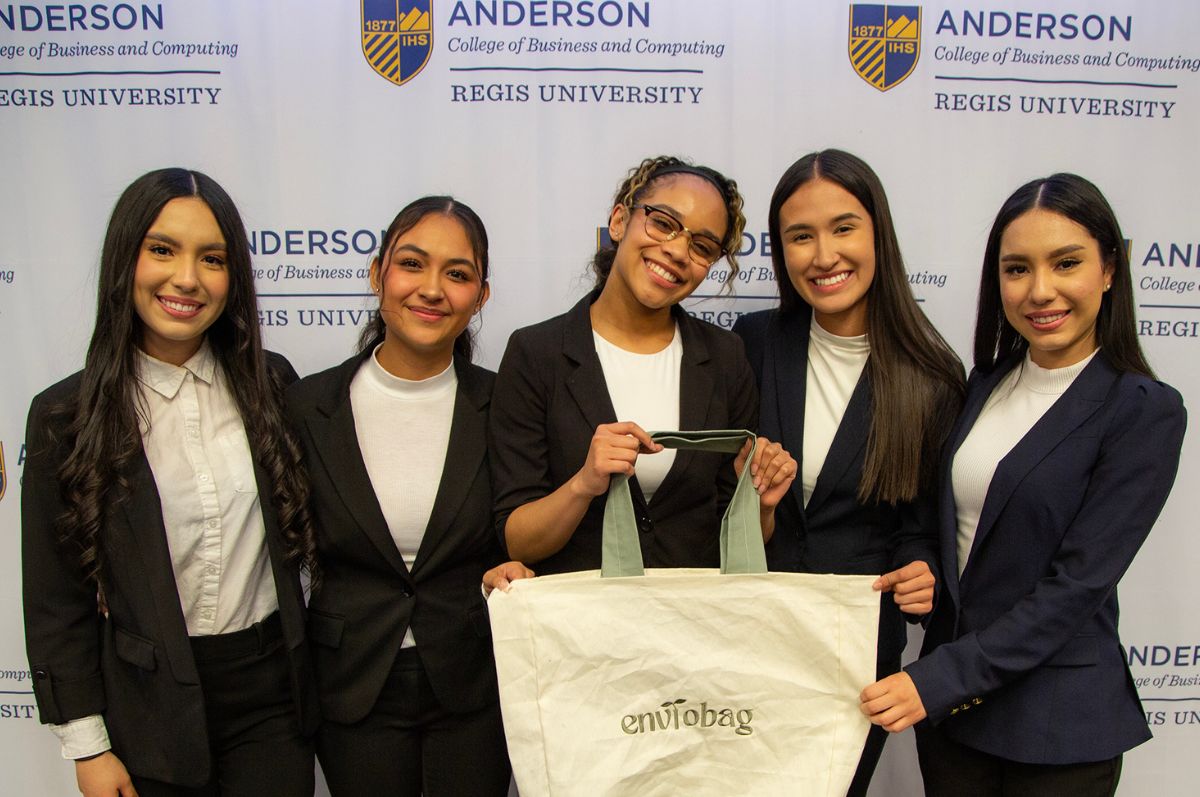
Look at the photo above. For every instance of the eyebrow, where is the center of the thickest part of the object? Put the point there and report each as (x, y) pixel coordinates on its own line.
(455, 261)
(1059, 252)
(166, 239)
(800, 225)
(675, 214)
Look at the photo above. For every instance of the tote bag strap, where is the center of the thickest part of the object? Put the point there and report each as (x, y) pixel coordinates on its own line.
(741, 531)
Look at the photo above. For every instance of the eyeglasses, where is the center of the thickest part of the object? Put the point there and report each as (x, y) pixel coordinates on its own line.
(703, 249)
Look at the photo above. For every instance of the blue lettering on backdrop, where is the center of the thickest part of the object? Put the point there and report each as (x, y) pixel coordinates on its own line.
(552, 13)
(96, 16)
(311, 242)
(1028, 25)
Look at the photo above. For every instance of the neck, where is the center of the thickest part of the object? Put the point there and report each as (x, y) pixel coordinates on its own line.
(406, 363)
(621, 319)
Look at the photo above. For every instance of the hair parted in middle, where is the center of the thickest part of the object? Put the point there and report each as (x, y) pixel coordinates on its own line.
(101, 427)
(916, 379)
(643, 177)
(410, 216)
(1079, 200)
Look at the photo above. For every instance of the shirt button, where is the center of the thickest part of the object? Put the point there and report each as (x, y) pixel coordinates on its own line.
(203, 477)
(212, 524)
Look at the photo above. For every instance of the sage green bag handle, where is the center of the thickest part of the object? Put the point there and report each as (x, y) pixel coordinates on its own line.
(741, 531)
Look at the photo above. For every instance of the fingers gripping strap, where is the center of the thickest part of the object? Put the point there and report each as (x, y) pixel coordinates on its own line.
(741, 531)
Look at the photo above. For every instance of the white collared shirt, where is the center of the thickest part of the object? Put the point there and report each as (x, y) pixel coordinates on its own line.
(195, 442)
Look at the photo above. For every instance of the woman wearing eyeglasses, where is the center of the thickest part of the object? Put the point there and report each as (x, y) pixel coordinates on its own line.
(575, 394)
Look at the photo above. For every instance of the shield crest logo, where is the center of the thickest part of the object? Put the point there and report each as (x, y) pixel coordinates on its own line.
(397, 37)
(885, 43)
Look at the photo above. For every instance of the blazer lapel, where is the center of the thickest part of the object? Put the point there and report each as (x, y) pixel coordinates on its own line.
(143, 511)
(336, 442)
(465, 454)
(848, 441)
(977, 395)
(586, 382)
(1081, 400)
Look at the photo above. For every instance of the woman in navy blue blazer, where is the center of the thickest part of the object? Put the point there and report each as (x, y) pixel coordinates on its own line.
(857, 382)
(1057, 469)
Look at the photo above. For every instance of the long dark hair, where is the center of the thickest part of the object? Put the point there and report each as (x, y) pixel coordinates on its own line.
(643, 177)
(1080, 201)
(916, 378)
(101, 431)
(410, 216)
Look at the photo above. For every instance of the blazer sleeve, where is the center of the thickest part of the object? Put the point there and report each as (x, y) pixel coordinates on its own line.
(517, 432)
(62, 620)
(1127, 488)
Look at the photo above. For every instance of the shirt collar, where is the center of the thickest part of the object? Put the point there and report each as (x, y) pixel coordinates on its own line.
(166, 379)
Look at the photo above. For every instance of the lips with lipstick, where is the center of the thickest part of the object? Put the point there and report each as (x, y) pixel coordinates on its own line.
(178, 307)
(426, 313)
(832, 281)
(1047, 321)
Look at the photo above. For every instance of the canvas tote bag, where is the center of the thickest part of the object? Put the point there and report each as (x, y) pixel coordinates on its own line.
(685, 681)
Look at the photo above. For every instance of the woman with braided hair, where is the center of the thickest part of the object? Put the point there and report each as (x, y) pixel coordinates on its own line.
(575, 394)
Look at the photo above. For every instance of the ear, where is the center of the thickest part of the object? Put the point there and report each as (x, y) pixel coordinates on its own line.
(1110, 269)
(484, 295)
(375, 278)
(617, 222)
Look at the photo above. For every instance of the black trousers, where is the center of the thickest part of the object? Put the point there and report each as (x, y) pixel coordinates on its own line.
(253, 734)
(950, 769)
(409, 745)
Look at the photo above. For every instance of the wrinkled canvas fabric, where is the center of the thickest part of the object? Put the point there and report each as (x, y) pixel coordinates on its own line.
(684, 681)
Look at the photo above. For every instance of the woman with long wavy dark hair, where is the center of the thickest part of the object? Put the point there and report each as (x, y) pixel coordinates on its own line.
(164, 516)
(1056, 471)
(575, 394)
(854, 378)
(395, 440)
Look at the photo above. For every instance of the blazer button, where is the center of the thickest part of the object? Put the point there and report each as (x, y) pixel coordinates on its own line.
(40, 674)
(644, 525)
(405, 592)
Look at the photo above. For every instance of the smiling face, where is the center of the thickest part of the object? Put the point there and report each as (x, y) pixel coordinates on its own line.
(658, 275)
(181, 280)
(829, 250)
(1052, 282)
(430, 286)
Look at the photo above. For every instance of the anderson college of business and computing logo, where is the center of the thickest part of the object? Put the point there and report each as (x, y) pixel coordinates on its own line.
(885, 42)
(397, 37)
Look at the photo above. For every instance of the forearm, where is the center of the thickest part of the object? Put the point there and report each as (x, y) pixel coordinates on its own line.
(542, 528)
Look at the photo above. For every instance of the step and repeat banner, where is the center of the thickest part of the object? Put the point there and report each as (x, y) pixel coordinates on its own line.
(322, 119)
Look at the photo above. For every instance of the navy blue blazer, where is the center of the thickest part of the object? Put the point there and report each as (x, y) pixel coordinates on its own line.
(836, 532)
(133, 664)
(1022, 658)
(550, 397)
(370, 598)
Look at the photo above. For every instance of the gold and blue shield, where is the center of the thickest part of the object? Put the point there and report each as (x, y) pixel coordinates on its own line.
(885, 43)
(397, 37)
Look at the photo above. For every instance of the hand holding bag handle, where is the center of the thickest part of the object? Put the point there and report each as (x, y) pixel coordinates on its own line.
(741, 530)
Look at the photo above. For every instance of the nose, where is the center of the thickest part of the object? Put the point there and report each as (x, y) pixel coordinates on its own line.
(1042, 289)
(185, 279)
(431, 284)
(677, 246)
(825, 255)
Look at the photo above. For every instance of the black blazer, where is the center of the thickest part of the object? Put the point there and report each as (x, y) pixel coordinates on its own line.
(369, 599)
(550, 397)
(134, 666)
(836, 532)
(1024, 651)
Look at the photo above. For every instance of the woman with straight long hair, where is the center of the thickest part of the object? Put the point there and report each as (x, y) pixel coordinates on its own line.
(163, 516)
(854, 378)
(575, 394)
(396, 441)
(1056, 471)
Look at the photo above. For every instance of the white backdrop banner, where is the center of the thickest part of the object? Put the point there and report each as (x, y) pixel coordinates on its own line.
(322, 119)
